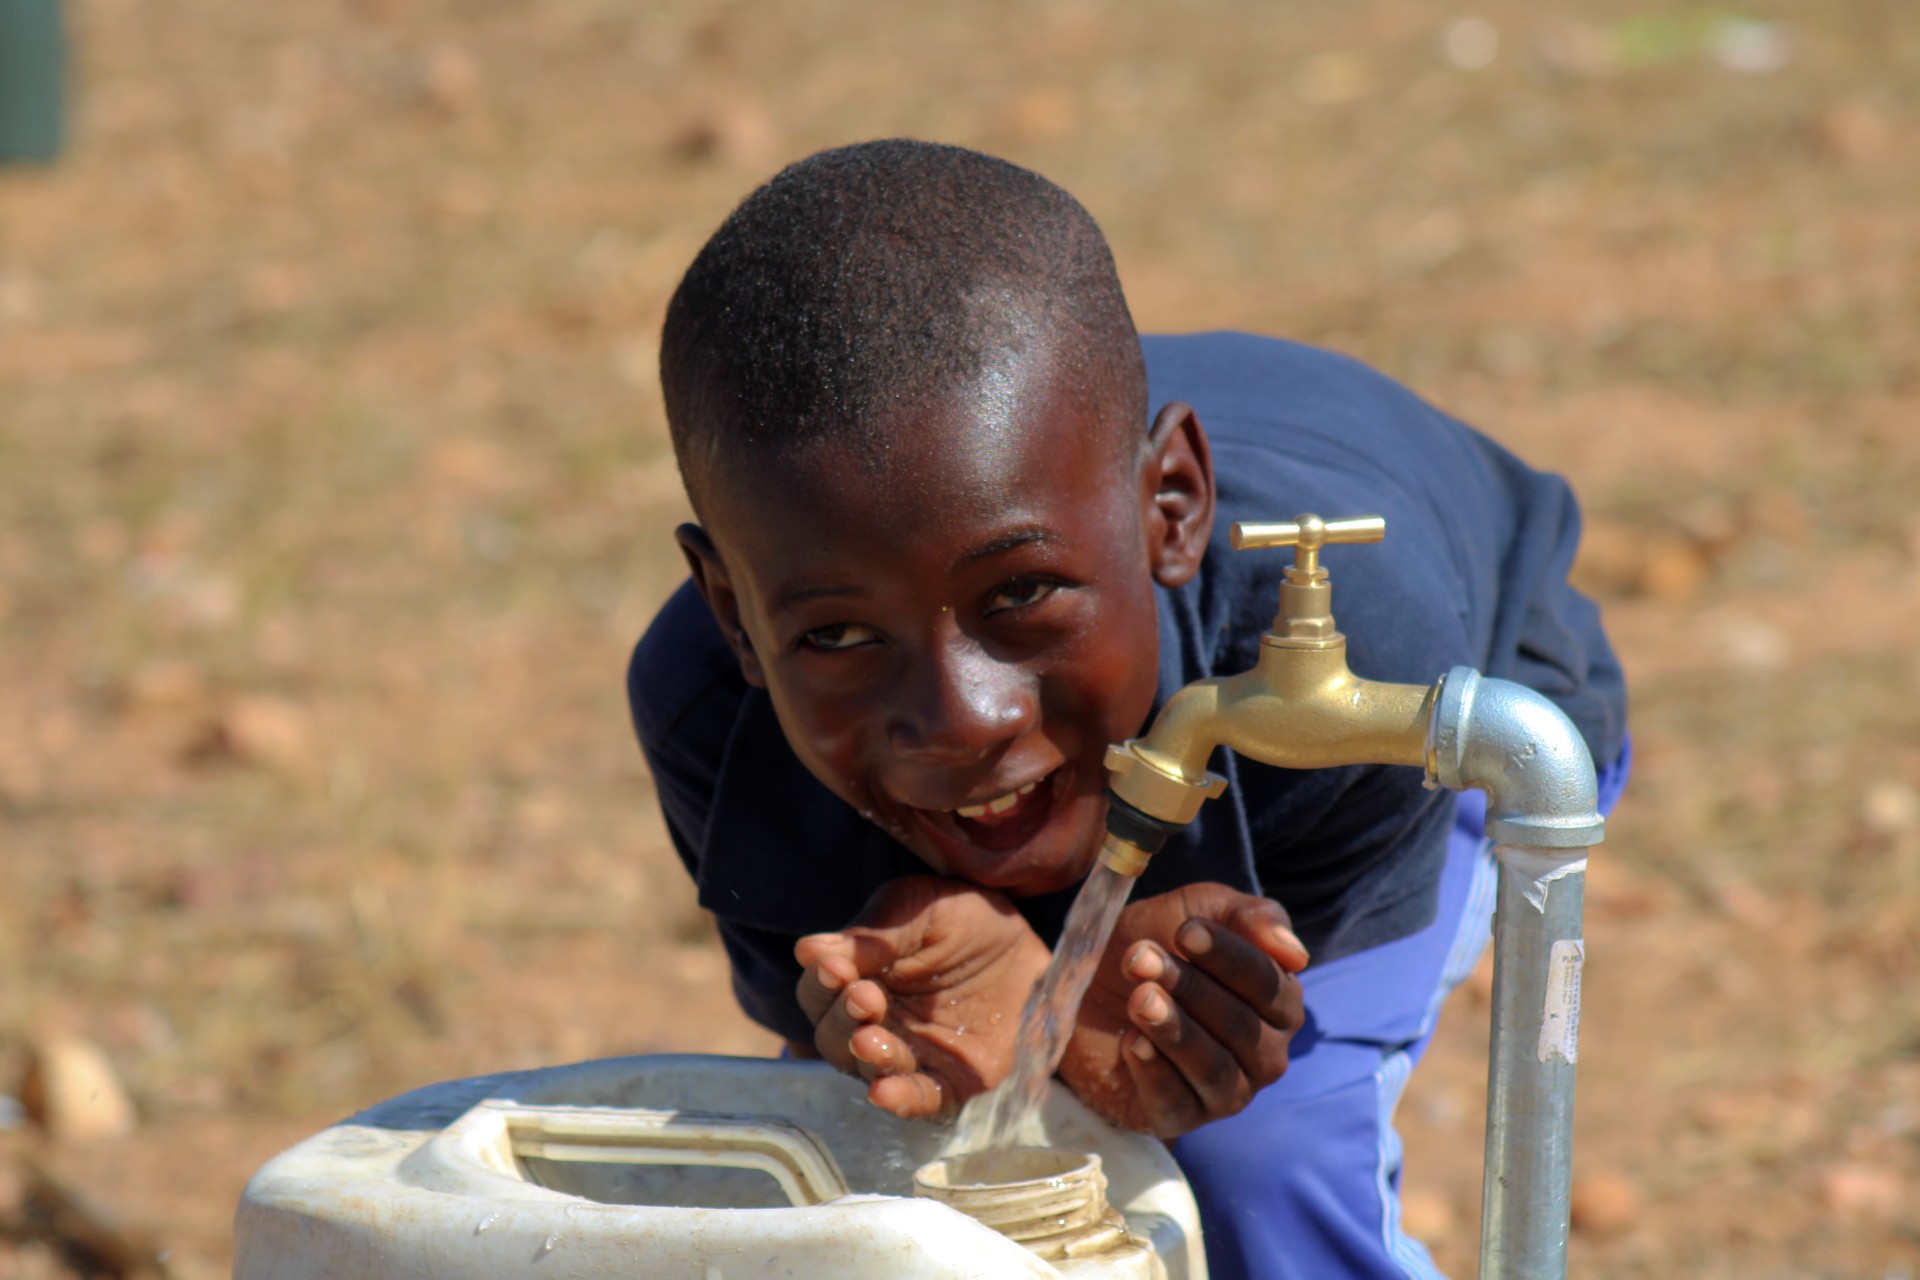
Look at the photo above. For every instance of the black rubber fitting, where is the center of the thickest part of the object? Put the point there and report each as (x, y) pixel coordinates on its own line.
(1142, 830)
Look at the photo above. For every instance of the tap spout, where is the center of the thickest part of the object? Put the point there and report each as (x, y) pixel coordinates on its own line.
(1523, 751)
(1299, 707)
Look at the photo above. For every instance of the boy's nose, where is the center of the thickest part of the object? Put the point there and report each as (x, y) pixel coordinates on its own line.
(961, 705)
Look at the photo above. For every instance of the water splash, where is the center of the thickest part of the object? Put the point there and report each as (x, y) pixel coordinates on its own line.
(994, 1119)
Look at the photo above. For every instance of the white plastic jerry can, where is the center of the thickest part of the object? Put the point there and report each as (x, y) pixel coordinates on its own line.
(688, 1167)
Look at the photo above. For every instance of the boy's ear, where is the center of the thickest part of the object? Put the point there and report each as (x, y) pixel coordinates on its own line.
(1176, 495)
(716, 587)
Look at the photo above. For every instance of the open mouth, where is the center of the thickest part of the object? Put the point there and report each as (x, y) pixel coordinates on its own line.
(1003, 822)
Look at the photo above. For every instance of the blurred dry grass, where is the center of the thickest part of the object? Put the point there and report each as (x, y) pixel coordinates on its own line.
(333, 488)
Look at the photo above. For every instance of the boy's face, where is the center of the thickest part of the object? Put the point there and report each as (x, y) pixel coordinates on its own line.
(952, 638)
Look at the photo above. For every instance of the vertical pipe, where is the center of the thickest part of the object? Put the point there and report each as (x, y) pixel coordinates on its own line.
(1537, 954)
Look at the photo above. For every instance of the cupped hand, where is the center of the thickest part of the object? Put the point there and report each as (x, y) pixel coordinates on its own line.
(1191, 1011)
(921, 995)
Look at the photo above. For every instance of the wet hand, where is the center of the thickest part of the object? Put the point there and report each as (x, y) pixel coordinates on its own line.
(1191, 1012)
(921, 995)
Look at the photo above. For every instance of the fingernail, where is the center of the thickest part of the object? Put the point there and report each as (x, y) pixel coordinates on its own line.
(1194, 938)
(1288, 938)
(828, 939)
(1146, 963)
(1154, 1008)
(831, 980)
(1141, 1048)
(861, 1004)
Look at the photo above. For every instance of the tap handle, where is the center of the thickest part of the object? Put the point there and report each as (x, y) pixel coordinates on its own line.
(1306, 534)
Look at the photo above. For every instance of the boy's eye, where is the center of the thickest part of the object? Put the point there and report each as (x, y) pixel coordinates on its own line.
(840, 635)
(1019, 594)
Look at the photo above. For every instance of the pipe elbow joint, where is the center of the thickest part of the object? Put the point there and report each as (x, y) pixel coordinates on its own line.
(1524, 752)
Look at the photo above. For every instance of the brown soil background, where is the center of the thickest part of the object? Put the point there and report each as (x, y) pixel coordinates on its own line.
(334, 488)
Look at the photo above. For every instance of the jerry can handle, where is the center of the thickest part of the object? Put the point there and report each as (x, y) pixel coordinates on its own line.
(791, 1155)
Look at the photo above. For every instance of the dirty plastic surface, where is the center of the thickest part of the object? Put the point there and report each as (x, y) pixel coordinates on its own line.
(588, 1171)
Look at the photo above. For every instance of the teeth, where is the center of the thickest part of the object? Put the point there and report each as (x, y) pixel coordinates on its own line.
(996, 806)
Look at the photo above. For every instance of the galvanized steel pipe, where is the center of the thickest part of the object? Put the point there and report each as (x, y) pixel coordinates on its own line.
(1542, 813)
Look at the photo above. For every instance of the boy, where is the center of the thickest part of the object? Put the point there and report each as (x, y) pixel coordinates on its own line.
(945, 557)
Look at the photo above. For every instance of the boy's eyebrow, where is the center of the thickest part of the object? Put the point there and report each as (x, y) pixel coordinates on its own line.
(1018, 538)
(800, 595)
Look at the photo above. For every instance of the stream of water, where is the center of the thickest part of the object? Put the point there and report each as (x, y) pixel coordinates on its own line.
(993, 1120)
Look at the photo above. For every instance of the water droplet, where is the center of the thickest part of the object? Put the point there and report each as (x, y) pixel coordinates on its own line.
(485, 1222)
(551, 1241)
(866, 815)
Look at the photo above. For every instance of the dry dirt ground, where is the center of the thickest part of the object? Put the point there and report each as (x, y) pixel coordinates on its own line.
(334, 488)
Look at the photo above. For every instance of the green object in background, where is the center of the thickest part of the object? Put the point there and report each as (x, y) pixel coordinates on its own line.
(33, 75)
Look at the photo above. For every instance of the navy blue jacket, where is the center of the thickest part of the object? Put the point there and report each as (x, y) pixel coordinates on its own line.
(1473, 572)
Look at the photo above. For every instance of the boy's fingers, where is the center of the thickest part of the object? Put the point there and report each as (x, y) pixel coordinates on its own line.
(1213, 1073)
(860, 1005)
(822, 982)
(1224, 1014)
(831, 962)
(1164, 1098)
(1266, 924)
(881, 1053)
(811, 948)
(865, 951)
(1242, 969)
(918, 1096)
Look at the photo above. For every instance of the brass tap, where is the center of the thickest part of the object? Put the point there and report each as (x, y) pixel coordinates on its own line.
(1299, 707)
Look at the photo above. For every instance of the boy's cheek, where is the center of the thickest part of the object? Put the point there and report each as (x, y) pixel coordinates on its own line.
(822, 740)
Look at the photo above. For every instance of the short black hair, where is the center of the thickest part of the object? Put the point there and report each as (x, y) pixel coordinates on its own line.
(870, 279)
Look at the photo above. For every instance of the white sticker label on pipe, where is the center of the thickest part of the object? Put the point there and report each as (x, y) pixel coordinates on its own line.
(1560, 1022)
